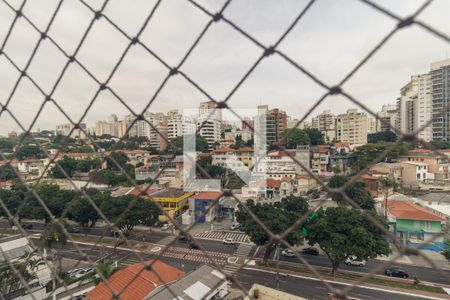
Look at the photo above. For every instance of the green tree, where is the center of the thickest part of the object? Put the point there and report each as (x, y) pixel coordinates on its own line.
(341, 231)
(277, 217)
(54, 235)
(201, 145)
(367, 154)
(295, 137)
(387, 184)
(7, 173)
(446, 251)
(7, 145)
(357, 192)
(82, 212)
(142, 212)
(120, 158)
(315, 136)
(107, 268)
(382, 136)
(29, 152)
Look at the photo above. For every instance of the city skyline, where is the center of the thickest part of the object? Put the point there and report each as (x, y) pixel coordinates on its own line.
(376, 84)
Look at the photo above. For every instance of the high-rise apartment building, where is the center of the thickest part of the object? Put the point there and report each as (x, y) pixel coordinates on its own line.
(178, 125)
(326, 124)
(414, 106)
(66, 129)
(353, 127)
(440, 99)
(275, 121)
(154, 127)
(209, 122)
(387, 117)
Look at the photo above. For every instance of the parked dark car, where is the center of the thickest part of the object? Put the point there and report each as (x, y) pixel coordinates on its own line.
(310, 251)
(183, 239)
(193, 245)
(73, 229)
(396, 272)
(27, 226)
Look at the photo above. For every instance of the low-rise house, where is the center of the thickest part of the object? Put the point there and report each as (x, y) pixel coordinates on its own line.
(413, 223)
(32, 167)
(258, 191)
(437, 203)
(414, 173)
(199, 207)
(320, 158)
(236, 159)
(384, 169)
(203, 283)
(373, 185)
(135, 156)
(136, 282)
(304, 183)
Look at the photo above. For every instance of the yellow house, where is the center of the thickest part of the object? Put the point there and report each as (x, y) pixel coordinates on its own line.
(173, 200)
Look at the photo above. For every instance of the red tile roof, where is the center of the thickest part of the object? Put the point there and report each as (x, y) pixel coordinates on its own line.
(208, 195)
(135, 286)
(407, 210)
(368, 177)
(273, 183)
(224, 150)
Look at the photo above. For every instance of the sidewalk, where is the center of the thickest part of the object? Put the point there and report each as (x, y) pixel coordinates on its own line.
(418, 261)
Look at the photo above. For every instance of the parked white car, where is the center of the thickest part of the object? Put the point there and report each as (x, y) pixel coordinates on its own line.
(235, 226)
(228, 241)
(287, 253)
(81, 272)
(165, 227)
(352, 260)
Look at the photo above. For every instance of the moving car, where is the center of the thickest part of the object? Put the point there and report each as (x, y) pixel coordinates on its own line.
(352, 260)
(165, 227)
(228, 241)
(183, 239)
(235, 226)
(73, 229)
(310, 251)
(287, 253)
(192, 245)
(396, 272)
(81, 272)
(27, 226)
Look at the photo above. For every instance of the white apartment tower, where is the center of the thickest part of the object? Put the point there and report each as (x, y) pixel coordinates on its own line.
(326, 124)
(440, 99)
(178, 125)
(387, 117)
(414, 106)
(209, 122)
(353, 127)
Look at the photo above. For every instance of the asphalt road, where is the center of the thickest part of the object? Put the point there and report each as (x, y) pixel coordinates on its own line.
(314, 289)
(424, 273)
(305, 287)
(155, 236)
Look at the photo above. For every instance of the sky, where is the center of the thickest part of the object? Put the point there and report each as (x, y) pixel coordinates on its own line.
(329, 41)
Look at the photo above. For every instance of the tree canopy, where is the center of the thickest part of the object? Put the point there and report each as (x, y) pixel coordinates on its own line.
(201, 145)
(382, 136)
(357, 191)
(315, 136)
(125, 217)
(277, 217)
(295, 137)
(341, 231)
